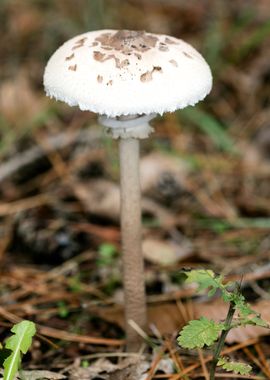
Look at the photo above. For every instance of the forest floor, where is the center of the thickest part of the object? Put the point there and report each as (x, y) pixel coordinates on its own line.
(205, 178)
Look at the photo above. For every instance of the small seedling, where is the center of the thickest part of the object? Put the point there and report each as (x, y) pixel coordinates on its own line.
(19, 343)
(206, 332)
(75, 284)
(63, 310)
(106, 254)
(85, 363)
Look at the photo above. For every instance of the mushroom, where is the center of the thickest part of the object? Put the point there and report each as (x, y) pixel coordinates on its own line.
(127, 77)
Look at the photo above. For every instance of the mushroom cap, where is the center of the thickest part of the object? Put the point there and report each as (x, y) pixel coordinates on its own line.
(117, 73)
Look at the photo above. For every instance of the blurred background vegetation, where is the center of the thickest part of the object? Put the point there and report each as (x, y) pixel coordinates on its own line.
(233, 37)
(225, 139)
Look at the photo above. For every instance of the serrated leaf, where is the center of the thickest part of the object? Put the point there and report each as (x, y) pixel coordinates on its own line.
(243, 307)
(258, 321)
(246, 313)
(199, 333)
(206, 279)
(236, 367)
(212, 292)
(19, 343)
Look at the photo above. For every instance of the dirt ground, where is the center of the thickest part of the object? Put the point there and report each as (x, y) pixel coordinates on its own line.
(205, 178)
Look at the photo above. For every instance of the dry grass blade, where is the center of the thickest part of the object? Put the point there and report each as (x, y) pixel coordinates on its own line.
(176, 358)
(204, 369)
(262, 358)
(57, 142)
(64, 335)
(154, 364)
(226, 351)
(24, 204)
(253, 358)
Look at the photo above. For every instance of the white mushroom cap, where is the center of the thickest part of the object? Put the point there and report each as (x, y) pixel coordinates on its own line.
(125, 72)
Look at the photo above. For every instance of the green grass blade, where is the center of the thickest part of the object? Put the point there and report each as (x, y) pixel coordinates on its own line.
(253, 41)
(210, 126)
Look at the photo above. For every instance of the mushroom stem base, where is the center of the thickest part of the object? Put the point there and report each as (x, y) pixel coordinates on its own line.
(133, 266)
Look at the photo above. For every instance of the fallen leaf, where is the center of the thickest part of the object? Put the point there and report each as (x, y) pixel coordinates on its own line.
(18, 101)
(166, 252)
(166, 365)
(168, 319)
(102, 197)
(162, 176)
(42, 375)
(218, 310)
(128, 369)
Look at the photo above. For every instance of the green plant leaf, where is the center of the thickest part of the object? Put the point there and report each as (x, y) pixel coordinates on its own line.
(241, 305)
(199, 333)
(247, 315)
(19, 343)
(258, 321)
(106, 254)
(206, 279)
(236, 367)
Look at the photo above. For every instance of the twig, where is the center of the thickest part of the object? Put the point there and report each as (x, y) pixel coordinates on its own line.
(204, 369)
(141, 333)
(57, 142)
(23, 204)
(209, 358)
(155, 364)
(64, 335)
(221, 341)
(255, 360)
(177, 360)
(262, 358)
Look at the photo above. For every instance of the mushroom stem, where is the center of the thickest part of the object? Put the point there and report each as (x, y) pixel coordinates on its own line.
(133, 266)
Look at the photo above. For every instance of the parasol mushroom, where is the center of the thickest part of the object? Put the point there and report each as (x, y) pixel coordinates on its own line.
(127, 77)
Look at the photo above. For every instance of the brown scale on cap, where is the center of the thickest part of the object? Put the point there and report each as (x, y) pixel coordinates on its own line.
(148, 75)
(100, 78)
(79, 43)
(125, 42)
(120, 64)
(95, 43)
(72, 67)
(163, 47)
(76, 47)
(139, 56)
(187, 55)
(70, 57)
(101, 57)
(170, 41)
(98, 56)
(173, 62)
